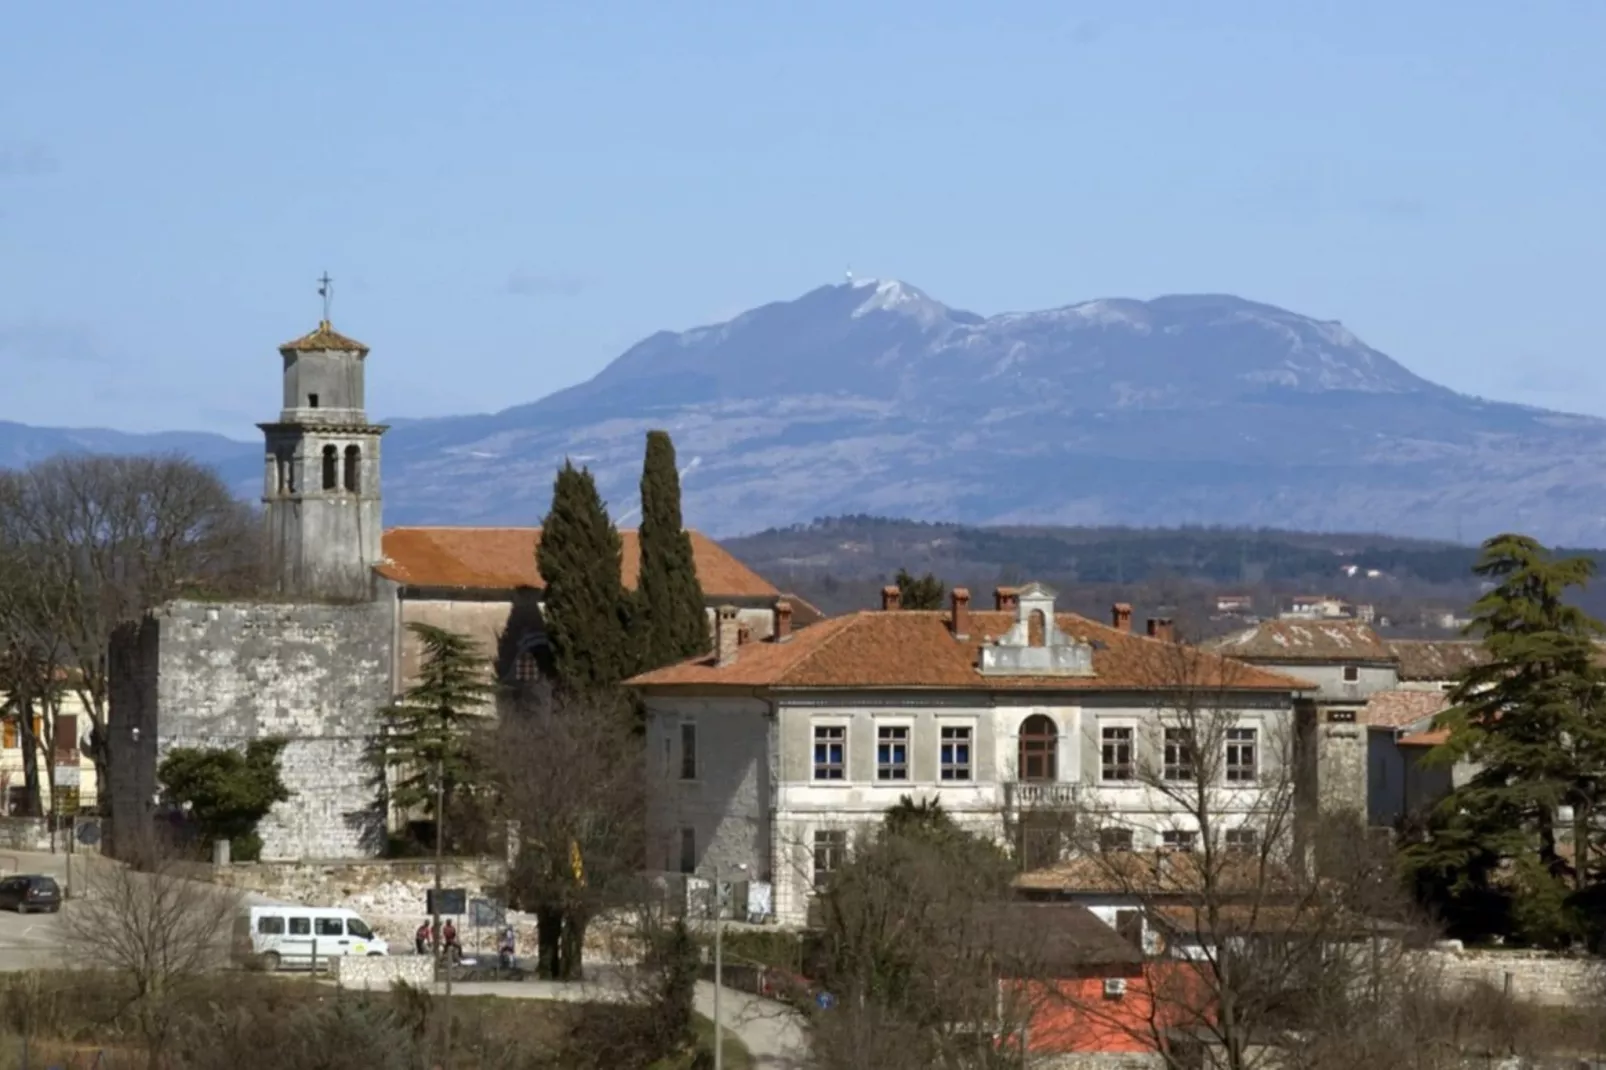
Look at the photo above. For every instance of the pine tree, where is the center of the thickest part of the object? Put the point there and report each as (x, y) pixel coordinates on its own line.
(429, 733)
(1533, 718)
(671, 622)
(923, 593)
(584, 607)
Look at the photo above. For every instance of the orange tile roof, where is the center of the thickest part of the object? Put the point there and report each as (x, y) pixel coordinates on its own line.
(1437, 659)
(502, 559)
(325, 337)
(1156, 873)
(1401, 709)
(1305, 640)
(916, 649)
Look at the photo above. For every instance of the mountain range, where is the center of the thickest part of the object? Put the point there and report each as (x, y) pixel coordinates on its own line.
(872, 397)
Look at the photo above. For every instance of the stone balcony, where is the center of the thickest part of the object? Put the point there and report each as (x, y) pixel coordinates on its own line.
(1040, 794)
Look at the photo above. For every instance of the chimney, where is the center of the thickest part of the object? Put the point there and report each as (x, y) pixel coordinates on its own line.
(783, 621)
(727, 636)
(961, 614)
(1121, 616)
(1160, 628)
(744, 635)
(891, 597)
(1006, 598)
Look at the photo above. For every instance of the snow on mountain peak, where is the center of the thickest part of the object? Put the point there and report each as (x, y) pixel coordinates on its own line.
(891, 295)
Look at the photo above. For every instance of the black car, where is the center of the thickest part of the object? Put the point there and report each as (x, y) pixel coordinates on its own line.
(29, 893)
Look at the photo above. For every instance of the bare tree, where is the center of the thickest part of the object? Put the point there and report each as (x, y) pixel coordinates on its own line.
(570, 779)
(89, 542)
(1203, 829)
(157, 931)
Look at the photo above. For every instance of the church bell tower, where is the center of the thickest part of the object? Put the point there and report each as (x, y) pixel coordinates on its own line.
(321, 495)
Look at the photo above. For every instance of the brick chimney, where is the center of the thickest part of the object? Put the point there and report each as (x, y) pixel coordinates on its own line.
(727, 636)
(1006, 598)
(961, 614)
(891, 597)
(783, 621)
(1121, 616)
(1160, 628)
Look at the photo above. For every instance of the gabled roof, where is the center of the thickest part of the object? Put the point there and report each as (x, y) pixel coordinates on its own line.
(1157, 874)
(1049, 936)
(325, 337)
(1401, 709)
(1305, 641)
(1437, 659)
(804, 612)
(916, 649)
(504, 559)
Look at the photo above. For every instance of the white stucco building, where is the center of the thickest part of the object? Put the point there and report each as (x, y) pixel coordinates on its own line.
(768, 755)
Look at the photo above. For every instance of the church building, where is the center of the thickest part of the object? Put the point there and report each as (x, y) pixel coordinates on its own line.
(326, 647)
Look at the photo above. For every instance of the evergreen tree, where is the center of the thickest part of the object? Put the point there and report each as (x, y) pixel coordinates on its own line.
(429, 733)
(923, 593)
(1533, 719)
(671, 622)
(584, 608)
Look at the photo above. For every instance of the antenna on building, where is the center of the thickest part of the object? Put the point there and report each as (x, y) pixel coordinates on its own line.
(326, 290)
(850, 274)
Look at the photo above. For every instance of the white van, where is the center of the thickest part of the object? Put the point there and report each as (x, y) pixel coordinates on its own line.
(277, 936)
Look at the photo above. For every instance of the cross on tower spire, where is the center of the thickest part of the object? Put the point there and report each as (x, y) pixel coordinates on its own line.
(326, 290)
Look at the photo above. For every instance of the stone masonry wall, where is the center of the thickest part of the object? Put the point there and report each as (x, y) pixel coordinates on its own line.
(220, 675)
(382, 971)
(1548, 980)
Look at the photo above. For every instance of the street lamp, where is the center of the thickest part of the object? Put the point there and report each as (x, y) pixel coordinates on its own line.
(719, 967)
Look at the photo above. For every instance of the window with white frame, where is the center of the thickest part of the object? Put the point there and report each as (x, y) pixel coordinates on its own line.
(1242, 756)
(1116, 754)
(1352, 673)
(892, 752)
(830, 851)
(954, 756)
(1178, 754)
(688, 750)
(1179, 840)
(1242, 839)
(830, 752)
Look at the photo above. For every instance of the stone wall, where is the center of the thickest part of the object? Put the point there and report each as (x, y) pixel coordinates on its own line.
(1531, 977)
(382, 971)
(380, 886)
(194, 674)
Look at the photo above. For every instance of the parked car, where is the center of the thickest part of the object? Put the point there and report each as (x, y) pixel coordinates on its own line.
(30, 892)
(278, 936)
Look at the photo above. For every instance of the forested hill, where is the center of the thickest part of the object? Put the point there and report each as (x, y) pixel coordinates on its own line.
(841, 560)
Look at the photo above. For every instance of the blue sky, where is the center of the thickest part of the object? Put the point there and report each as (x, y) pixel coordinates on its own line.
(511, 193)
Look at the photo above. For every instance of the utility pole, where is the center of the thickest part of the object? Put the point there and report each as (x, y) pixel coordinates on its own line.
(435, 935)
(719, 974)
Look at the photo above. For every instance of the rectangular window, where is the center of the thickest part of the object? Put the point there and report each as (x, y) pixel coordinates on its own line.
(669, 755)
(830, 849)
(329, 927)
(688, 851)
(830, 752)
(300, 926)
(688, 750)
(10, 733)
(1117, 754)
(1243, 840)
(1241, 761)
(955, 756)
(892, 752)
(1115, 839)
(1178, 754)
(1179, 840)
(270, 926)
(1351, 674)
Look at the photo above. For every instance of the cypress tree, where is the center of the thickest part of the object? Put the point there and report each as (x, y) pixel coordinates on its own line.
(671, 618)
(584, 608)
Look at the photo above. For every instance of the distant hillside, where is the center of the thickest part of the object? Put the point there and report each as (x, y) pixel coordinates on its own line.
(839, 563)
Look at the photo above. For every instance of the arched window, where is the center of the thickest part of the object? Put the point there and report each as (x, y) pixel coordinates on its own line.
(353, 469)
(1039, 748)
(1036, 627)
(331, 468)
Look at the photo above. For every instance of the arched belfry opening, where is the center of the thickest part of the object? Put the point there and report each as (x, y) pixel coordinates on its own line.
(353, 481)
(331, 467)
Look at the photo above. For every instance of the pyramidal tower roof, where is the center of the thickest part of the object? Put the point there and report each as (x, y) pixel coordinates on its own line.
(325, 337)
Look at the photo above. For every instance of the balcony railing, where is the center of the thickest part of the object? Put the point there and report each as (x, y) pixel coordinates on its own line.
(1028, 794)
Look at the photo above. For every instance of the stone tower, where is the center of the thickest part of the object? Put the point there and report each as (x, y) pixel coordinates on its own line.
(322, 483)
